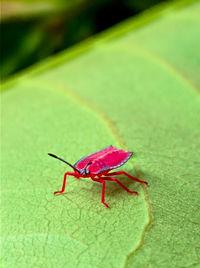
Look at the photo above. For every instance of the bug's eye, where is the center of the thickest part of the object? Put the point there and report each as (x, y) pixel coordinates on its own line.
(87, 171)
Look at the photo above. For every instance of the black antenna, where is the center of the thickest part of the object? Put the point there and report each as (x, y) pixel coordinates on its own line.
(53, 155)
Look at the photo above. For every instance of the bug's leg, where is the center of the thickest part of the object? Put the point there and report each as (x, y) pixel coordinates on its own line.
(121, 184)
(126, 174)
(103, 191)
(103, 194)
(64, 182)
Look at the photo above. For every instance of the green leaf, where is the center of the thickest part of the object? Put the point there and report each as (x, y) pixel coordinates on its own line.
(134, 86)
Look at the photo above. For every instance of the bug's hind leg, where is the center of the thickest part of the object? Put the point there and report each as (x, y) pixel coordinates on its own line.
(121, 184)
(126, 174)
(64, 182)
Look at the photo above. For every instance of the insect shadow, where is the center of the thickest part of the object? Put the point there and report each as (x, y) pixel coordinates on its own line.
(112, 188)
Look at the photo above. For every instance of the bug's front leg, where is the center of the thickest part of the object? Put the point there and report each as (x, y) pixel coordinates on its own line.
(103, 191)
(103, 194)
(64, 182)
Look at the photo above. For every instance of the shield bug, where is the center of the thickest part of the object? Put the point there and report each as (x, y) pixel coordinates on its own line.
(97, 166)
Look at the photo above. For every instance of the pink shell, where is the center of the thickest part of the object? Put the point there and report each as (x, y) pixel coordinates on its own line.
(103, 160)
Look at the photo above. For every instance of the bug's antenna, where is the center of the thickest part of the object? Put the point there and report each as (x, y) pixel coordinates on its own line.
(53, 155)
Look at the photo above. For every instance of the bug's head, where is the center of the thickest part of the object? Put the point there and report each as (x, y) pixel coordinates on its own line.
(86, 171)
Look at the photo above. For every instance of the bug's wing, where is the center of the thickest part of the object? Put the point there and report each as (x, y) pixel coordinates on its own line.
(117, 158)
(110, 160)
(90, 158)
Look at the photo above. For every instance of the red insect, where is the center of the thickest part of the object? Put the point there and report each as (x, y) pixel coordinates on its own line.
(97, 167)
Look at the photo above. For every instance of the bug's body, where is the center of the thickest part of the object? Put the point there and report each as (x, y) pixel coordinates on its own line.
(97, 167)
(104, 160)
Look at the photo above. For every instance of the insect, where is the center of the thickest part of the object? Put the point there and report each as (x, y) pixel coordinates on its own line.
(97, 166)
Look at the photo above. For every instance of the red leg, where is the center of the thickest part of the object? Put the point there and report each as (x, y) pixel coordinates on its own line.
(64, 182)
(121, 184)
(103, 194)
(126, 174)
(103, 191)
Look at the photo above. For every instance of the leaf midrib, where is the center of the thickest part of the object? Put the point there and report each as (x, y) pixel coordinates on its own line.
(110, 125)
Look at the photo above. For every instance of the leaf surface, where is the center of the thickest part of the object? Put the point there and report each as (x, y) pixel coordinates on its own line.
(130, 89)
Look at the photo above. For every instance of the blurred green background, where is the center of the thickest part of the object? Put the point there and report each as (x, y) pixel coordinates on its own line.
(33, 30)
